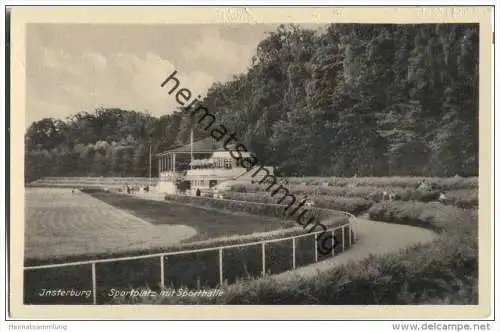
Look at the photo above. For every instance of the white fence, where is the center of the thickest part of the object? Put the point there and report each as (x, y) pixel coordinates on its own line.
(351, 228)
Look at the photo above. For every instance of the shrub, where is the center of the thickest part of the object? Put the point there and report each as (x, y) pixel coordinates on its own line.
(461, 197)
(436, 216)
(396, 181)
(266, 207)
(464, 198)
(354, 205)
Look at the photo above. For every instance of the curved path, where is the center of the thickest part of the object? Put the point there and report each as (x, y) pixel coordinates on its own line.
(374, 238)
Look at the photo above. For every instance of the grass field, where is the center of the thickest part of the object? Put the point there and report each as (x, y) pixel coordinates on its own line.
(62, 224)
(209, 223)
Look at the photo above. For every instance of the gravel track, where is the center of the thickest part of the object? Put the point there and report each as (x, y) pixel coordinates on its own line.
(375, 238)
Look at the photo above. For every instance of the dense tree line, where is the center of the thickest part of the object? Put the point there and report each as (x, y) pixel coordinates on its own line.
(354, 99)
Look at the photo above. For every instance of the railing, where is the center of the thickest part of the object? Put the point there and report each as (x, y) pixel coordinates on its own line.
(163, 257)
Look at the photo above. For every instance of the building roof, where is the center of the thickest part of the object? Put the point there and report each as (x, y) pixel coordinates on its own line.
(206, 145)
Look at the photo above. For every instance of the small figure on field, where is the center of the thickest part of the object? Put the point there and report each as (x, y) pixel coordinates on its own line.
(198, 192)
(442, 197)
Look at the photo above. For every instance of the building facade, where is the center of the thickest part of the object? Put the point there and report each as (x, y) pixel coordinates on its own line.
(208, 165)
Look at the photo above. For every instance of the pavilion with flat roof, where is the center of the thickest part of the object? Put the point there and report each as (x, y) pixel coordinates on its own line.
(166, 159)
(203, 173)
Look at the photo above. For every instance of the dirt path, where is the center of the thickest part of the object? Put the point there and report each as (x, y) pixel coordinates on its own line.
(377, 238)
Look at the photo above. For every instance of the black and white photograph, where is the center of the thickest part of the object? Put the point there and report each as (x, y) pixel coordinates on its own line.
(258, 163)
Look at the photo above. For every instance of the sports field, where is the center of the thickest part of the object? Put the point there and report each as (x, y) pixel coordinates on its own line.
(60, 223)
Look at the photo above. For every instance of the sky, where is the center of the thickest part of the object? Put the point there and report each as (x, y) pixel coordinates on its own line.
(79, 67)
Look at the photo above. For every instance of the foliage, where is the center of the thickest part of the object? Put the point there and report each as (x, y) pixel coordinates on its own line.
(356, 195)
(260, 207)
(355, 99)
(433, 215)
(352, 205)
(438, 183)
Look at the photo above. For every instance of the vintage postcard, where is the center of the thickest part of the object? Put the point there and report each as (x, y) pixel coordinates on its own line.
(260, 163)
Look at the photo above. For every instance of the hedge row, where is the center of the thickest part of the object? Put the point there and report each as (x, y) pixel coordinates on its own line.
(388, 182)
(436, 216)
(439, 183)
(444, 271)
(354, 205)
(462, 197)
